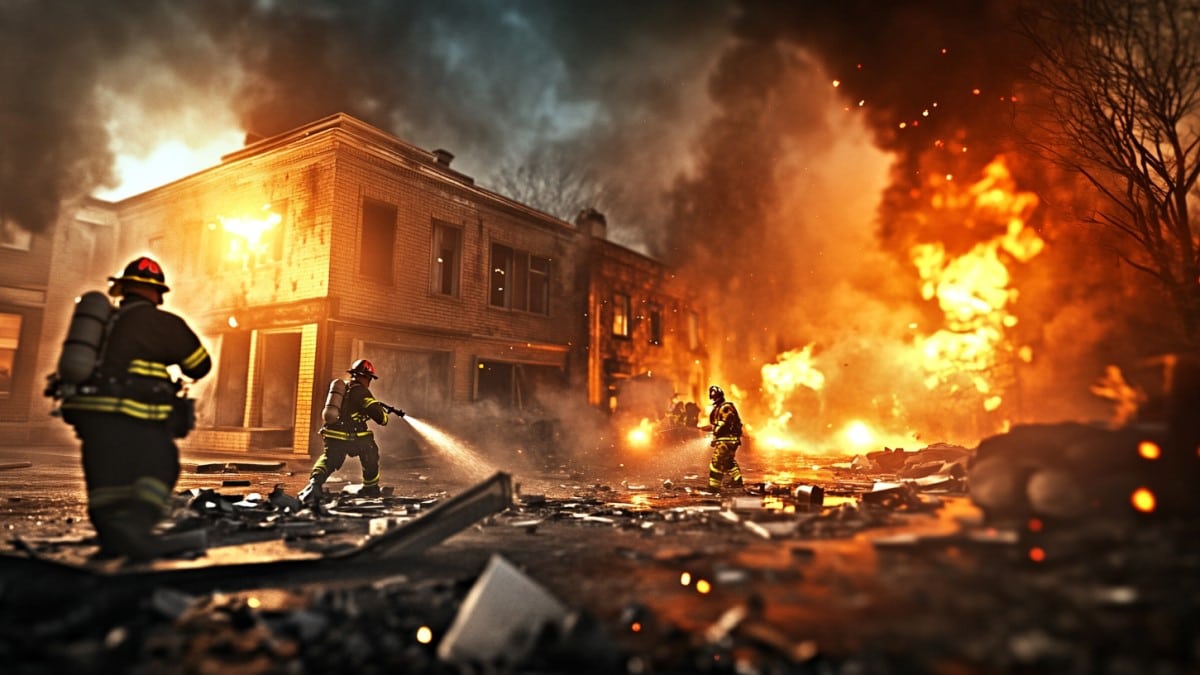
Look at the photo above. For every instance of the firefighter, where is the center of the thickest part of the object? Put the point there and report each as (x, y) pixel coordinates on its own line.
(726, 427)
(127, 414)
(675, 416)
(349, 435)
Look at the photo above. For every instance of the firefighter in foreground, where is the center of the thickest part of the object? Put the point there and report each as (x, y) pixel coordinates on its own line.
(726, 427)
(347, 408)
(126, 408)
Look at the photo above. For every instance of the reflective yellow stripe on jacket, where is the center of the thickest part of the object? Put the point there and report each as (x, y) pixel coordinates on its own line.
(346, 435)
(194, 359)
(125, 406)
(148, 369)
(128, 406)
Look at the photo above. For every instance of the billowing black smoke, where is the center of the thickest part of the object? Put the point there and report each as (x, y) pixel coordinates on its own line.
(773, 216)
(491, 81)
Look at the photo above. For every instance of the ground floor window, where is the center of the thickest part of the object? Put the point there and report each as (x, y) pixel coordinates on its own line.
(516, 385)
(10, 340)
(417, 382)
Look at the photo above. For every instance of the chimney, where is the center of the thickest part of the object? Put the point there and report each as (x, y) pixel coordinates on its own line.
(592, 222)
(443, 157)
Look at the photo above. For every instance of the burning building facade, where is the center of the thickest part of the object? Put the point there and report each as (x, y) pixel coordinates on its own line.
(335, 241)
(644, 329)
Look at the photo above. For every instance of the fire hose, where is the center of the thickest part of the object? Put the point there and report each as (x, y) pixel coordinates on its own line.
(392, 409)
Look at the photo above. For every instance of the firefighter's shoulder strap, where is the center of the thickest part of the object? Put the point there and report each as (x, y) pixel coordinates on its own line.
(116, 315)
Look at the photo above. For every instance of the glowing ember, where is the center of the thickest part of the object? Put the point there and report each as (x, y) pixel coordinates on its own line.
(424, 635)
(1143, 500)
(1149, 450)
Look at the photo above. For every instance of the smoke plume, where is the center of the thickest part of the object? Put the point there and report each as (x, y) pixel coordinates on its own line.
(781, 154)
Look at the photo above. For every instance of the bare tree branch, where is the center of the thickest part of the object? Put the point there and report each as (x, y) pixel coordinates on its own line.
(1122, 86)
(552, 180)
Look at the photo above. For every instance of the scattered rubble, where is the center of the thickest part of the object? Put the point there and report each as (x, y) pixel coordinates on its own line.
(649, 576)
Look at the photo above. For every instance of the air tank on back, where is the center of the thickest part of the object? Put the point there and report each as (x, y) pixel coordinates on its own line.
(333, 402)
(85, 337)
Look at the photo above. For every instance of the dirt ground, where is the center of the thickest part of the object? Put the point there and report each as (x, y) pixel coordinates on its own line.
(654, 572)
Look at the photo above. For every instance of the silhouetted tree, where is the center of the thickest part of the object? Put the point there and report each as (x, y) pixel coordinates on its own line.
(553, 180)
(1122, 85)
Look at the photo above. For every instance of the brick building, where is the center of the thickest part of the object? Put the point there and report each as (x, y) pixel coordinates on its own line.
(40, 275)
(302, 252)
(644, 336)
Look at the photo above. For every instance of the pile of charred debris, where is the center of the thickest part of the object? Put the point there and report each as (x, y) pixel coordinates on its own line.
(1063, 548)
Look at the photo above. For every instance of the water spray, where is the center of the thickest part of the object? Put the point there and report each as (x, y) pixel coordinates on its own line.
(460, 453)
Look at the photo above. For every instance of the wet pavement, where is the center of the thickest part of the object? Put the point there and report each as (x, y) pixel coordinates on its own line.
(643, 569)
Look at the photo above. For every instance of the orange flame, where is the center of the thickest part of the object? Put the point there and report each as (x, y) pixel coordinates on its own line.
(639, 436)
(792, 370)
(972, 290)
(247, 232)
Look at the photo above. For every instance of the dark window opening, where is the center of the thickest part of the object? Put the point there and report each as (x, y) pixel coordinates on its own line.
(539, 285)
(516, 385)
(501, 273)
(447, 259)
(414, 381)
(656, 325)
(520, 280)
(378, 242)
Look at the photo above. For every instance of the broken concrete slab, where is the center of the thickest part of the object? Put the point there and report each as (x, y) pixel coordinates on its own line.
(500, 620)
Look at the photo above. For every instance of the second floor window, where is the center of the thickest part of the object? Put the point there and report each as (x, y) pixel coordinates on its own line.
(241, 240)
(620, 319)
(656, 325)
(378, 241)
(447, 259)
(520, 280)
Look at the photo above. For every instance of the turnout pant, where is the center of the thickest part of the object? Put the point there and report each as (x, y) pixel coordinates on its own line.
(724, 463)
(335, 455)
(130, 467)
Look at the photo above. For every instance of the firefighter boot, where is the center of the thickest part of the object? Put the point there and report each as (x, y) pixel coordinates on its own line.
(126, 531)
(370, 491)
(311, 493)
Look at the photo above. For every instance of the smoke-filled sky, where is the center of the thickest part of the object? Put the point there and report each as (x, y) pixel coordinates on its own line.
(779, 153)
